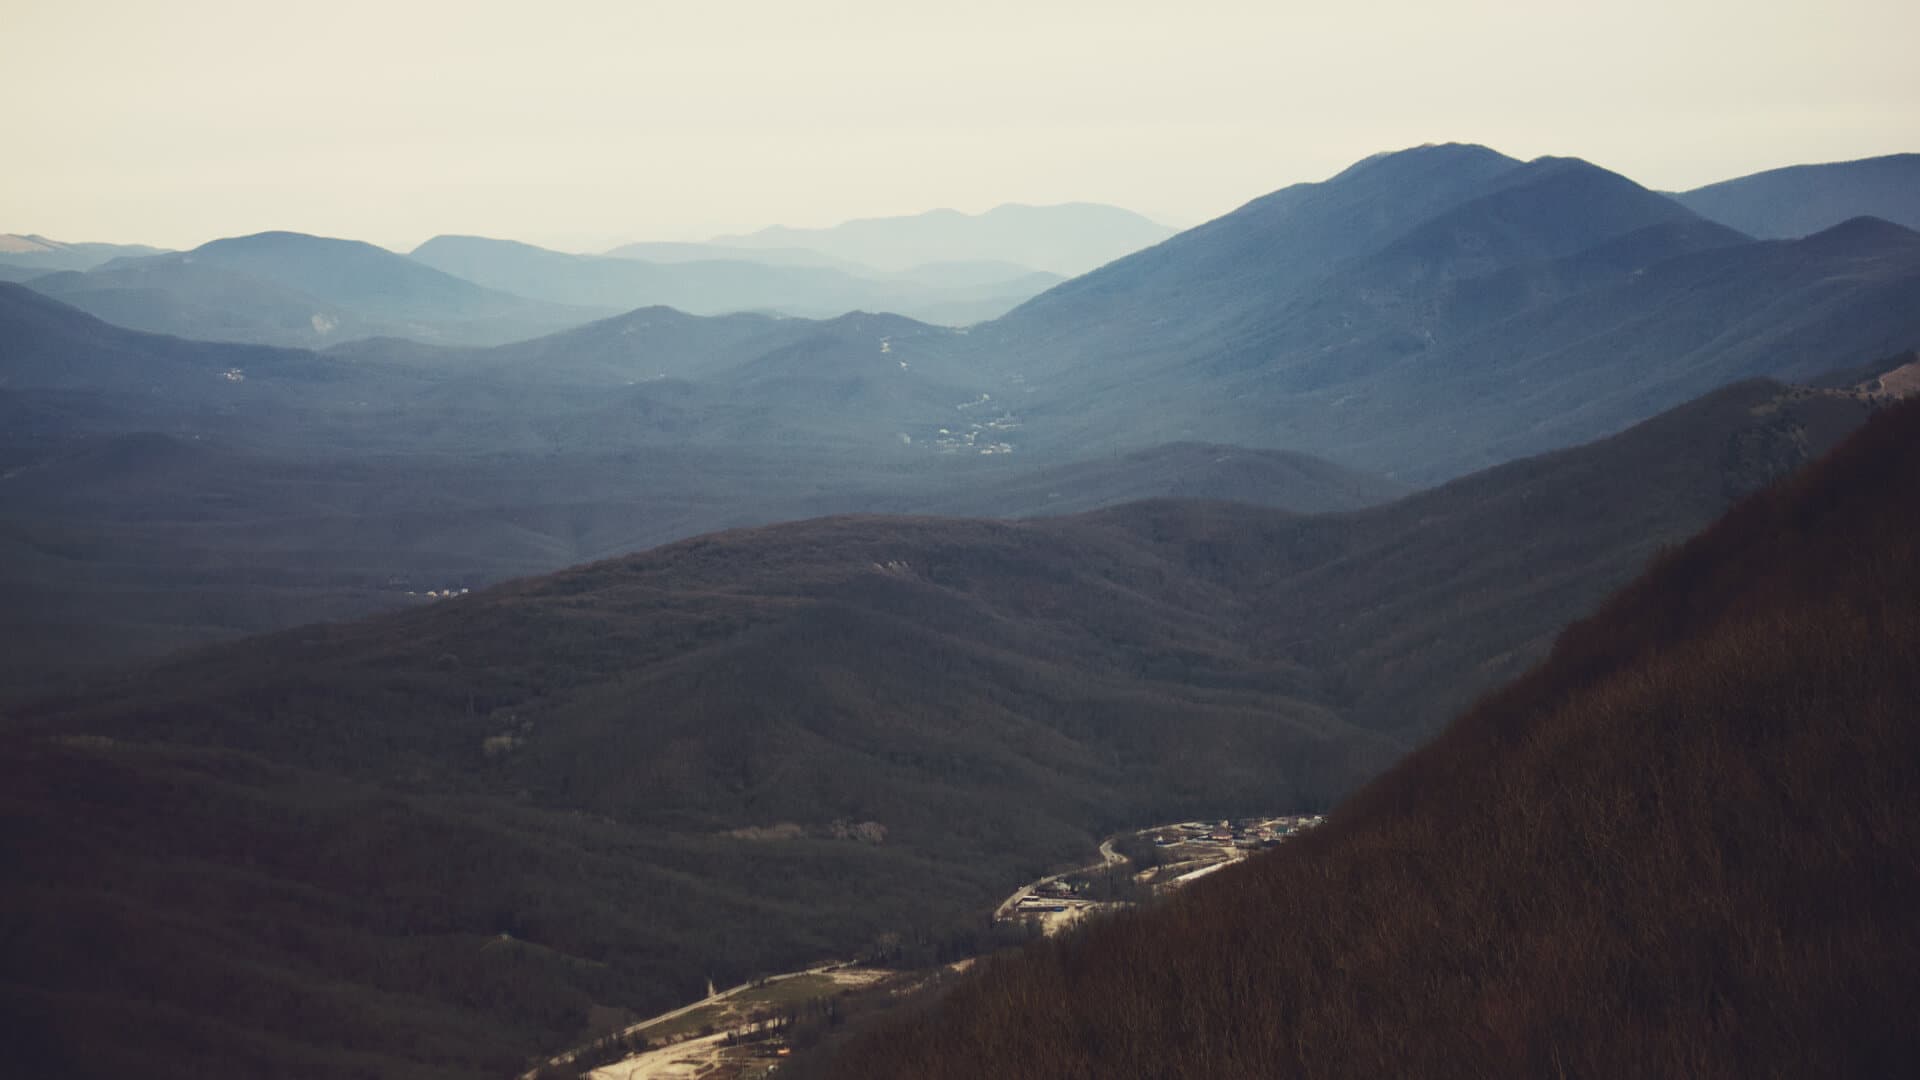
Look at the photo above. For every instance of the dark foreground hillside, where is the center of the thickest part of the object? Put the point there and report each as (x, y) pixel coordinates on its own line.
(1684, 845)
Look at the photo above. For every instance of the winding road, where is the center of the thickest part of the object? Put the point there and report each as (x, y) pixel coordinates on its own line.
(1108, 856)
(675, 1014)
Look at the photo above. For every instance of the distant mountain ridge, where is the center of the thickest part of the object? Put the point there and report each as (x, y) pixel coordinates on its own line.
(284, 288)
(1800, 200)
(1422, 315)
(28, 255)
(1439, 309)
(1446, 205)
(331, 482)
(680, 251)
(1070, 238)
(731, 280)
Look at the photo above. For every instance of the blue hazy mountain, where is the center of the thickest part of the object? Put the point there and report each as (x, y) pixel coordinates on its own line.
(1432, 311)
(956, 293)
(288, 288)
(1803, 199)
(30, 255)
(1070, 238)
(1419, 316)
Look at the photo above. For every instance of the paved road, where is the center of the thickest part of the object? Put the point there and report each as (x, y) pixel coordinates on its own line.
(675, 1014)
(1108, 856)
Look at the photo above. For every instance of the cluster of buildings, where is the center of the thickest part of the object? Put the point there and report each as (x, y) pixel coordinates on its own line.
(1191, 850)
(1049, 898)
(984, 437)
(1245, 833)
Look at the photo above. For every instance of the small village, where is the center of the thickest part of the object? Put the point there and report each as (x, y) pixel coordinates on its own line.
(977, 436)
(1180, 854)
(737, 1033)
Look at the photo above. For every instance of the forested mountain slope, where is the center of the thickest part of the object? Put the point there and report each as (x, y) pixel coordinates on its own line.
(1438, 310)
(1682, 845)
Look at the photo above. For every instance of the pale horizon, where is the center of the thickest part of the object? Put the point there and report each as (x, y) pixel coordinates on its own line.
(583, 125)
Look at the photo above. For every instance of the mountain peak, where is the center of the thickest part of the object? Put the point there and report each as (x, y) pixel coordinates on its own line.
(1764, 672)
(283, 241)
(1864, 234)
(1426, 156)
(1547, 208)
(26, 244)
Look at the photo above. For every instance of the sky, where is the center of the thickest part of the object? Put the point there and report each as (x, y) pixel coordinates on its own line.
(585, 123)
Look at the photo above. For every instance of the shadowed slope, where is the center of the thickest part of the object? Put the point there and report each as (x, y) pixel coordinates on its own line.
(1683, 845)
(1439, 310)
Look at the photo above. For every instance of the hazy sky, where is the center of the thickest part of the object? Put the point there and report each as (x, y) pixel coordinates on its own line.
(580, 123)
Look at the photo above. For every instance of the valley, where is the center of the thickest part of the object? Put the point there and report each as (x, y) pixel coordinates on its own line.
(1417, 317)
(991, 692)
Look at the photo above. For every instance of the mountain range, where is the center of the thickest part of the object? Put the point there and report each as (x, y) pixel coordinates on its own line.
(29, 256)
(223, 489)
(1441, 309)
(1067, 239)
(956, 293)
(293, 289)
(461, 660)
(1421, 315)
